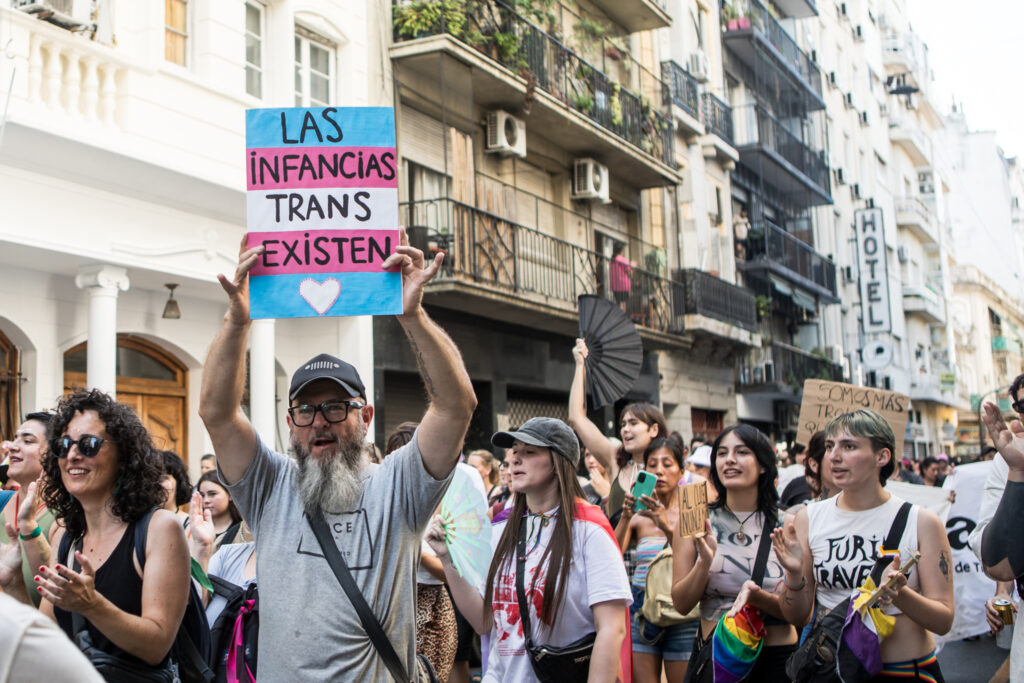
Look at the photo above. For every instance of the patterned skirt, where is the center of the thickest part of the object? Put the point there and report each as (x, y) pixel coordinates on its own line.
(436, 637)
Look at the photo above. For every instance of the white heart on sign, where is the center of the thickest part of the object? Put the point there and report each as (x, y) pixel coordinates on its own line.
(320, 295)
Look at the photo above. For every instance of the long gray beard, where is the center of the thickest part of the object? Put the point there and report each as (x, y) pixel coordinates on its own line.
(331, 484)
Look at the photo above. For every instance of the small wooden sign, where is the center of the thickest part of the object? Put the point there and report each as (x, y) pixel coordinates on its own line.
(693, 509)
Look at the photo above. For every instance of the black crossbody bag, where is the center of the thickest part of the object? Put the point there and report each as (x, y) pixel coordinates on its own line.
(565, 664)
(701, 667)
(819, 658)
(379, 639)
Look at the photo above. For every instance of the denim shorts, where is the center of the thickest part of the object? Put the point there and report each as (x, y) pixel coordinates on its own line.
(671, 643)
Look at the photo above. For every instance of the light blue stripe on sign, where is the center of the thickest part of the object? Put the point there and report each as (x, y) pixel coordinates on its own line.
(314, 295)
(358, 126)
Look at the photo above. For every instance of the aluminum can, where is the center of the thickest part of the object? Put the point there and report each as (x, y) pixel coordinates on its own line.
(1005, 610)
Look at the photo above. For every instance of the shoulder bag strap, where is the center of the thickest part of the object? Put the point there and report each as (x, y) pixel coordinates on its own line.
(524, 607)
(141, 532)
(763, 546)
(891, 542)
(370, 623)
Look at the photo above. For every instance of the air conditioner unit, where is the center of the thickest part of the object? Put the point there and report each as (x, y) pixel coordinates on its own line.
(69, 14)
(869, 203)
(855, 190)
(858, 32)
(883, 109)
(901, 254)
(887, 383)
(833, 79)
(700, 66)
(835, 353)
(848, 100)
(863, 118)
(589, 180)
(847, 274)
(506, 134)
(843, 11)
(840, 176)
(814, 56)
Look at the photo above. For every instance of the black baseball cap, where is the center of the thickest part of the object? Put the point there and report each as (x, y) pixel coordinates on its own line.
(546, 432)
(326, 366)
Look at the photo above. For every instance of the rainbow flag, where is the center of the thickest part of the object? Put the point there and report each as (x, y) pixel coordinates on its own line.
(322, 198)
(736, 644)
(863, 632)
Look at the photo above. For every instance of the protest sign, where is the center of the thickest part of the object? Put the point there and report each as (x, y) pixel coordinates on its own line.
(693, 508)
(973, 588)
(322, 198)
(930, 497)
(823, 400)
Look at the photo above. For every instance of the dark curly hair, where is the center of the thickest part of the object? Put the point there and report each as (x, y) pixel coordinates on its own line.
(140, 465)
(183, 484)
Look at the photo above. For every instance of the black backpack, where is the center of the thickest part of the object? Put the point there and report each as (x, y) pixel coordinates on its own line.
(191, 648)
(242, 604)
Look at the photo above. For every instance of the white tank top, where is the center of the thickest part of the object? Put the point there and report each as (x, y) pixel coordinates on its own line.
(844, 546)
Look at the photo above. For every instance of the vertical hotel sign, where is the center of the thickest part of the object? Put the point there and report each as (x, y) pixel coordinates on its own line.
(322, 198)
(874, 272)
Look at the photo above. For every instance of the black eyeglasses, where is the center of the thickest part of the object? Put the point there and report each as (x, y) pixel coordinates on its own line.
(333, 411)
(88, 446)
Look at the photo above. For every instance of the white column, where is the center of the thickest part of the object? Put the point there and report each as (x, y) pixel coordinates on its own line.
(103, 283)
(262, 380)
(355, 346)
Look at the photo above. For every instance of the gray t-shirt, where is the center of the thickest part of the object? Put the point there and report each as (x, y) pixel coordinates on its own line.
(308, 628)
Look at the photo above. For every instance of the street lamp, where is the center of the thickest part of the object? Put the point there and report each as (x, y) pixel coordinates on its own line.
(981, 408)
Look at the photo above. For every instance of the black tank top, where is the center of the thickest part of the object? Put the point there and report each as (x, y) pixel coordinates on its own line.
(118, 582)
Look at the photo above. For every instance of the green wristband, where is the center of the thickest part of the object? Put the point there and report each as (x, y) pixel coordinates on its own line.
(32, 535)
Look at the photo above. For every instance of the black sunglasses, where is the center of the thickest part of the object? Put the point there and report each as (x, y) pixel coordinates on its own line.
(88, 446)
(333, 411)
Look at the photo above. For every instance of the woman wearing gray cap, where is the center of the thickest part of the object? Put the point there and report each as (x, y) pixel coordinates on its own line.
(566, 569)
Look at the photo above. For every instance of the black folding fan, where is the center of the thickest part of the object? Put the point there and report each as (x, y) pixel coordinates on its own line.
(616, 351)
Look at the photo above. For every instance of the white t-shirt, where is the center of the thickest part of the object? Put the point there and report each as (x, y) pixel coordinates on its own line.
(597, 574)
(845, 543)
(462, 472)
(33, 648)
(228, 563)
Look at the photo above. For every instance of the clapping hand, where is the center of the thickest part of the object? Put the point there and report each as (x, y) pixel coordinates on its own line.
(1009, 440)
(27, 511)
(788, 549)
(70, 590)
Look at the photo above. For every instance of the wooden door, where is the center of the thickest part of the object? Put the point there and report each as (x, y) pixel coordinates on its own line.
(163, 417)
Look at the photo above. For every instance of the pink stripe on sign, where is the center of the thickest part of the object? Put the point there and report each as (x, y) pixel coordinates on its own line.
(271, 168)
(322, 251)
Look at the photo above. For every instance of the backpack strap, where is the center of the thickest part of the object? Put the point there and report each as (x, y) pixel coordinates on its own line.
(224, 588)
(891, 542)
(141, 530)
(369, 620)
(763, 546)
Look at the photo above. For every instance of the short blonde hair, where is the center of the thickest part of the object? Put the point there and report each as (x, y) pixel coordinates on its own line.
(489, 461)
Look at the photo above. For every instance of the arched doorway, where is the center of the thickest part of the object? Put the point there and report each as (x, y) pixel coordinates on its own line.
(10, 378)
(150, 380)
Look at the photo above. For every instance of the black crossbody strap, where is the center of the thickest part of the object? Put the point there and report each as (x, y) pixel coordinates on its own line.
(524, 608)
(891, 542)
(370, 622)
(763, 546)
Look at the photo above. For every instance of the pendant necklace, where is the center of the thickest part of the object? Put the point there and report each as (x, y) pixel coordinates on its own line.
(740, 536)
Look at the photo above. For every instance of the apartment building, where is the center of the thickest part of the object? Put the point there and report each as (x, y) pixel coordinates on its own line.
(121, 173)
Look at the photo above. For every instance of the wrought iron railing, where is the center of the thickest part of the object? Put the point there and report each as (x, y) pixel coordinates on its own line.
(713, 297)
(754, 14)
(782, 364)
(681, 88)
(758, 127)
(717, 117)
(496, 30)
(489, 250)
(770, 243)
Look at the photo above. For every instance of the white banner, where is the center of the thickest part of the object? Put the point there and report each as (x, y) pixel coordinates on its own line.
(972, 587)
(931, 497)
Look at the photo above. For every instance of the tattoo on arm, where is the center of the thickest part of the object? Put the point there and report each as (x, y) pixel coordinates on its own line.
(427, 382)
(944, 564)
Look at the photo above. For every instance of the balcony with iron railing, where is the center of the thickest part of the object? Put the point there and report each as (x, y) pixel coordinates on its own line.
(772, 249)
(593, 114)
(915, 214)
(683, 91)
(780, 369)
(746, 22)
(767, 147)
(906, 133)
(637, 15)
(498, 268)
(711, 297)
(925, 300)
(717, 117)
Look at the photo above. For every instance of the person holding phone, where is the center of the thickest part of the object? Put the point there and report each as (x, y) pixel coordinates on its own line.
(650, 522)
(716, 569)
(830, 546)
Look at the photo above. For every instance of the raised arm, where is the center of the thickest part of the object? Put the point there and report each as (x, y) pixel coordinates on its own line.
(932, 606)
(164, 593)
(691, 567)
(452, 400)
(220, 397)
(593, 440)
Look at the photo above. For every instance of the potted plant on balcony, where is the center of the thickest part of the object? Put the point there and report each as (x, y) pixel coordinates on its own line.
(730, 21)
(583, 102)
(763, 304)
(615, 106)
(424, 18)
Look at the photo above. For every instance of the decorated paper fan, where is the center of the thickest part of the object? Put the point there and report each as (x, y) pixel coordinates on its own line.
(467, 528)
(615, 350)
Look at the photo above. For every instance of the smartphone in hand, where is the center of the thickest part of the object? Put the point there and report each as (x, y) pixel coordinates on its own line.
(643, 486)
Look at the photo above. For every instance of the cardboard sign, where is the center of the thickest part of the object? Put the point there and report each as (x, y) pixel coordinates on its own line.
(693, 508)
(823, 400)
(322, 197)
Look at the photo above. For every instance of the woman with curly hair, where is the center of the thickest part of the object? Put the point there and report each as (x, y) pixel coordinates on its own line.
(102, 478)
